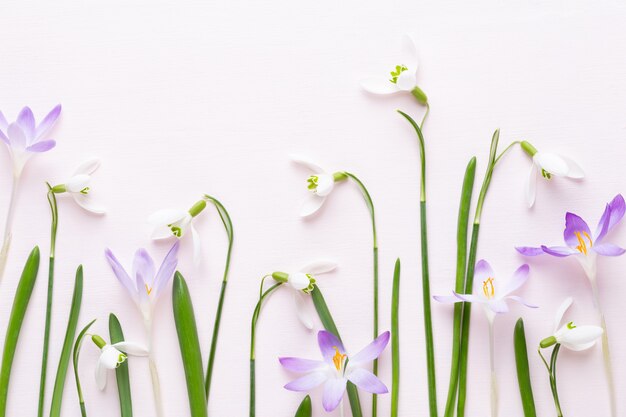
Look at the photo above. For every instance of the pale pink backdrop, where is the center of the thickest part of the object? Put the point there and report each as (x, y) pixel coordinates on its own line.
(191, 97)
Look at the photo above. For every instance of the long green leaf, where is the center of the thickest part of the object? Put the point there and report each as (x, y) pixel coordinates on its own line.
(329, 324)
(18, 311)
(75, 356)
(305, 409)
(121, 373)
(523, 371)
(189, 346)
(395, 340)
(66, 352)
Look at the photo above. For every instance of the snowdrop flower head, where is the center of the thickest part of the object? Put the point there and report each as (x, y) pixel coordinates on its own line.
(112, 356)
(570, 335)
(320, 184)
(78, 186)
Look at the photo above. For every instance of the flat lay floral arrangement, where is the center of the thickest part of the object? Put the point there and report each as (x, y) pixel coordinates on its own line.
(346, 374)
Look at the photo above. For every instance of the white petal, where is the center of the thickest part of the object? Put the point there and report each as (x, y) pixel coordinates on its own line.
(580, 337)
(579, 347)
(86, 202)
(77, 183)
(166, 216)
(320, 267)
(131, 348)
(101, 376)
(325, 185)
(197, 246)
(409, 51)
(379, 85)
(406, 81)
(560, 312)
(299, 159)
(575, 171)
(551, 163)
(88, 167)
(299, 280)
(110, 357)
(302, 310)
(531, 185)
(311, 205)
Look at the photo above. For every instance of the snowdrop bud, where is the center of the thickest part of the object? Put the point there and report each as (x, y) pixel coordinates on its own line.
(99, 341)
(280, 276)
(340, 176)
(528, 148)
(59, 189)
(197, 208)
(547, 342)
(419, 94)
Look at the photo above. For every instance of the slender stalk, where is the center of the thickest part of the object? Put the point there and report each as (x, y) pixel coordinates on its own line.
(426, 298)
(425, 116)
(228, 226)
(255, 319)
(492, 367)
(46, 335)
(8, 226)
(461, 262)
(154, 372)
(370, 207)
(395, 341)
(553, 387)
(606, 352)
(75, 356)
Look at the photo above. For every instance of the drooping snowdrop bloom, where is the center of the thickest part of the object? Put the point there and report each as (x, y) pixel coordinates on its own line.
(402, 77)
(302, 283)
(336, 369)
(112, 356)
(77, 186)
(146, 283)
(547, 164)
(570, 335)
(320, 184)
(174, 222)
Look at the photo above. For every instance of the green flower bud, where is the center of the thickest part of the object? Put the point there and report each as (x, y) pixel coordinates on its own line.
(340, 176)
(547, 342)
(197, 208)
(280, 276)
(99, 341)
(420, 95)
(59, 189)
(528, 148)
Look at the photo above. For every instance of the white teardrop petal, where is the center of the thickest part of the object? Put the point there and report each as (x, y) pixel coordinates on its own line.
(379, 85)
(552, 163)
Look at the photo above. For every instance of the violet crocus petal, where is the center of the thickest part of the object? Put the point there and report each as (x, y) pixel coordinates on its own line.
(167, 268)
(121, 274)
(302, 365)
(43, 146)
(307, 382)
(559, 251)
(143, 266)
(143, 298)
(613, 213)
(483, 271)
(334, 389)
(367, 381)
(371, 351)
(447, 299)
(16, 136)
(311, 204)
(3, 122)
(575, 226)
(521, 301)
(4, 137)
(470, 298)
(520, 276)
(328, 342)
(529, 250)
(498, 306)
(26, 120)
(48, 121)
(608, 249)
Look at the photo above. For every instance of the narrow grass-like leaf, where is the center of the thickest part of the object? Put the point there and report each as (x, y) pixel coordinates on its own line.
(66, 352)
(395, 340)
(189, 346)
(121, 373)
(18, 311)
(305, 409)
(75, 356)
(329, 324)
(523, 371)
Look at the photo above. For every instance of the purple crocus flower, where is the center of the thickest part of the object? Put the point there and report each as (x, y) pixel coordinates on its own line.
(24, 137)
(337, 369)
(581, 242)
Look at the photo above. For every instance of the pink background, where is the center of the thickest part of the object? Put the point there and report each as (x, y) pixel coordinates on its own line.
(211, 97)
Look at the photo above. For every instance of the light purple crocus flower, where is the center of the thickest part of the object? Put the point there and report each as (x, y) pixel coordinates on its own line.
(581, 242)
(337, 368)
(24, 137)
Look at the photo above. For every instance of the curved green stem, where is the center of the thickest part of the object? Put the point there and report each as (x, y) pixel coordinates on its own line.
(506, 150)
(75, 356)
(425, 116)
(228, 226)
(395, 341)
(555, 393)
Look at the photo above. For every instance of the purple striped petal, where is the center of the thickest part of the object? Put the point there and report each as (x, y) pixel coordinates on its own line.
(371, 351)
(334, 388)
(302, 365)
(328, 342)
(521, 301)
(48, 121)
(307, 382)
(613, 213)
(143, 266)
(608, 249)
(560, 251)
(26, 120)
(120, 273)
(529, 251)
(517, 280)
(43, 146)
(575, 226)
(167, 268)
(367, 381)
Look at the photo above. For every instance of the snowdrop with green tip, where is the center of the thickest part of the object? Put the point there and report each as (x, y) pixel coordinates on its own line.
(77, 186)
(570, 335)
(112, 356)
(320, 184)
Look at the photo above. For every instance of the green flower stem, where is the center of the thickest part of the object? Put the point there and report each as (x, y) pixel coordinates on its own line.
(66, 351)
(46, 335)
(329, 324)
(370, 207)
(461, 262)
(552, 372)
(228, 226)
(255, 319)
(75, 356)
(395, 341)
(18, 311)
(121, 373)
(425, 116)
(492, 366)
(426, 298)
(523, 370)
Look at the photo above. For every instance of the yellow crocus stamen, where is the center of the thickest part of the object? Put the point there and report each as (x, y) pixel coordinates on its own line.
(148, 289)
(488, 288)
(338, 358)
(582, 244)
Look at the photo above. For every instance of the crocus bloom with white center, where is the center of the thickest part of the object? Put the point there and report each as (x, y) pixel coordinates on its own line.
(337, 368)
(320, 184)
(571, 336)
(78, 186)
(112, 356)
(146, 283)
(303, 282)
(25, 138)
(581, 242)
(402, 77)
(547, 164)
(174, 222)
